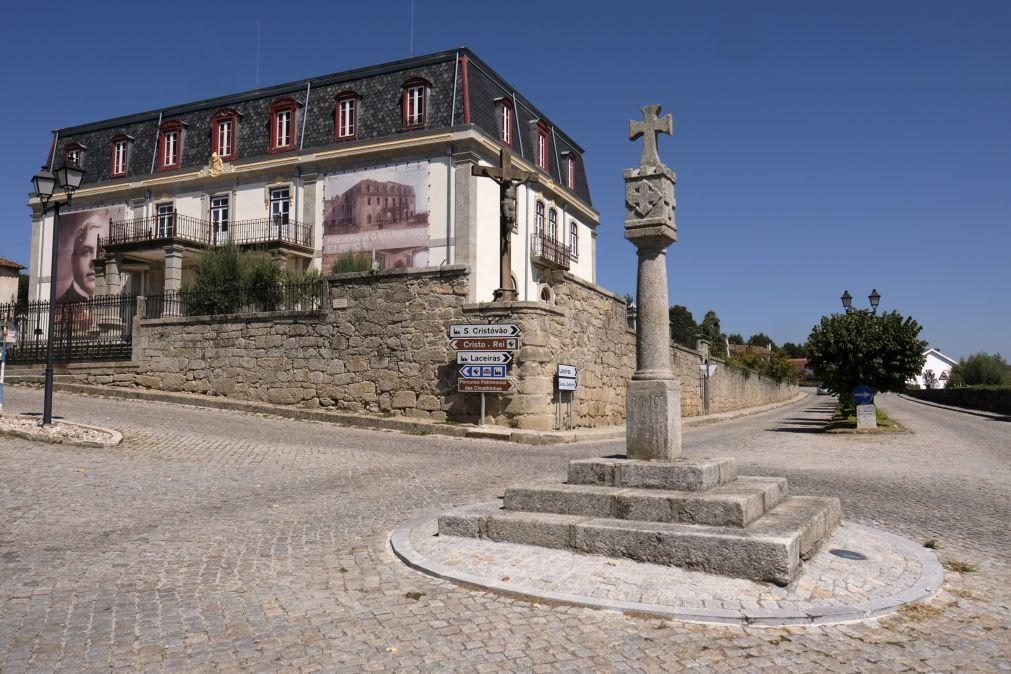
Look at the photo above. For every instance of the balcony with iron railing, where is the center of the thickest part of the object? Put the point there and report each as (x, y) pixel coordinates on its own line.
(549, 252)
(171, 228)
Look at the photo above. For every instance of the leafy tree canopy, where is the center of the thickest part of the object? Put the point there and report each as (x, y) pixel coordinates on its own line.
(791, 350)
(683, 328)
(710, 329)
(981, 369)
(735, 338)
(858, 347)
(761, 339)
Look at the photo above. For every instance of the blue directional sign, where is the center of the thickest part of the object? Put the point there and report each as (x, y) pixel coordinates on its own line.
(483, 371)
(863, 395)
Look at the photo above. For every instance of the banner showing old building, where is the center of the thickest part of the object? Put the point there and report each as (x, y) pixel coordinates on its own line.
(382, 213)
(77, 246)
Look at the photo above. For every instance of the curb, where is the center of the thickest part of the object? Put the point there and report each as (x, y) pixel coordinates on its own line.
(402, 424)
(926, 586)
(996, 416)
(115, 439)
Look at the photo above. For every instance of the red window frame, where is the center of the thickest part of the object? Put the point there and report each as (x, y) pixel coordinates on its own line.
(171, 126)
(74, 147)
(277, 107)
(116, 140)
(357, 109)
(506, 122)
(543, 162)
(423, 118)
(226, 115)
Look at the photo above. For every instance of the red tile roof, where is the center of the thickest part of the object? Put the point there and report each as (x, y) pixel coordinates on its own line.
(10, 264)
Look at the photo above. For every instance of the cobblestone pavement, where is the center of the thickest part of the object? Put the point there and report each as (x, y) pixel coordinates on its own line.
(230, 541)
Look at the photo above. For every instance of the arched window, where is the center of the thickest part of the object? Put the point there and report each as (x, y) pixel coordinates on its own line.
(539, 219)
(553, 224)
(574, 240)
(368, 219)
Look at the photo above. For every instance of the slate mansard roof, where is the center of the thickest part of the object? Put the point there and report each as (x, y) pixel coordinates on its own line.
(380, 89)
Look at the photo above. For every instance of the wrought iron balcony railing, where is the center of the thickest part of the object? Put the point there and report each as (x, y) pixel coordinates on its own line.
(174, 227)
(548, 251)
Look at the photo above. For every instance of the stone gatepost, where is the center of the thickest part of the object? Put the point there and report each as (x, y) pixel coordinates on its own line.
(654, 393)
(173, 268)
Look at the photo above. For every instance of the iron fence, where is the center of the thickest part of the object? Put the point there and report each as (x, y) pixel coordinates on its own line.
(175, 227)
(304, 296)
(97, 329)
(549, 250)
(167, 226)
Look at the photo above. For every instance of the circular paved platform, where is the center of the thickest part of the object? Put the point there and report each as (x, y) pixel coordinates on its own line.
(861, 573)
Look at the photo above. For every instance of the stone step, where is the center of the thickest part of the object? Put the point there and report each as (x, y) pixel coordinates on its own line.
(736, 504)
(770, 550)
(681, 475)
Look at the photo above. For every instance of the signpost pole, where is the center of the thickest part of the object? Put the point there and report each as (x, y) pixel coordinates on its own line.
(572, 394)
(481, 422)
(3, 368)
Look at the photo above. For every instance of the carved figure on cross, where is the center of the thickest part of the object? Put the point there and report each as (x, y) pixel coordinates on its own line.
(649, 128)
(508, 177)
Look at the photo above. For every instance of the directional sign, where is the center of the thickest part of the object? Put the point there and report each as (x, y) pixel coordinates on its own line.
(485, 385)
(485, 344)
(483, 372)
(10, 333)
(567, 371)
(863, 395)
(483, 357)
(566, 384)
(484, 330)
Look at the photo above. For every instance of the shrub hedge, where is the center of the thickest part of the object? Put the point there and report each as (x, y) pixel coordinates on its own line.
(987, 398)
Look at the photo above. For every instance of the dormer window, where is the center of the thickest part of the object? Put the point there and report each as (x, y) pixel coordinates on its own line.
(118, 162)
(346, 115)
(541, 147)
(570, 171)
(170, 145)
(415, 104)
(225, 132)
(74, 154)
(505, 121)
(282, 125)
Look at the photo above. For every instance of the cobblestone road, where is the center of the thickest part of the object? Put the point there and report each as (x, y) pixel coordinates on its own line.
(230, 541)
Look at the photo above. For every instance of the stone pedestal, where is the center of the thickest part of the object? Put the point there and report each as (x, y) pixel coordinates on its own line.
(867, 418)
(653, 425)
(173, 268)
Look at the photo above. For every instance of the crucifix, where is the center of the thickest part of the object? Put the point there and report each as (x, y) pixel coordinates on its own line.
(649, 128)
(507, 178)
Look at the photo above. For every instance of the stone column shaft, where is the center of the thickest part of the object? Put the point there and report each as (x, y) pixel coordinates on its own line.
(652, 354)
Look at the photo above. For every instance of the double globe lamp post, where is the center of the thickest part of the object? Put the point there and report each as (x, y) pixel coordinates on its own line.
(874, 298)
(69, 178)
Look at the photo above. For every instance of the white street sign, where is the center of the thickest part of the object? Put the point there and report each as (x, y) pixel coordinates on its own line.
(10, 333)
(484, 330)
(708, 370)
(567, 371)
(483, 357)
(566, 384)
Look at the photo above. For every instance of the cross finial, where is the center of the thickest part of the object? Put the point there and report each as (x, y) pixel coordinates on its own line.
(649, 128)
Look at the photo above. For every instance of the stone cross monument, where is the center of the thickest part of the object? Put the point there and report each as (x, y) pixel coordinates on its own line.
(654, 394)
(508, 178)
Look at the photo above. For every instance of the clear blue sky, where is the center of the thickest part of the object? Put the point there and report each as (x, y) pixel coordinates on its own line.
(820, 146)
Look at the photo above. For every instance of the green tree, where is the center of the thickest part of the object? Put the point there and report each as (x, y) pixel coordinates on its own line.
(981, 369)
(710, 329)
(226, 280)
(791, 350)
(761, 339)
(22, 288)
(735, 338)
(859, 347)
(683, 328)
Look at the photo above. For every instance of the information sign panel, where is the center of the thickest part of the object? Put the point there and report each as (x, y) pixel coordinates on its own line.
(485, 385)
(484, 330)
(566, 384)
(483, 357)
(483, 371)
(567, 371)
(484, 344)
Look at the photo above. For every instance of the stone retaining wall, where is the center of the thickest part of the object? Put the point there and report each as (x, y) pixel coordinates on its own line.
(381, 347)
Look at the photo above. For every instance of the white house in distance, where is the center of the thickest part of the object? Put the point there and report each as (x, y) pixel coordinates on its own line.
(939, 365)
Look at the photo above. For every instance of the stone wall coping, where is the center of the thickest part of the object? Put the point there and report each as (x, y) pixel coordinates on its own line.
(445, 270)
(257, 317)
(572, 278)
(505, 308)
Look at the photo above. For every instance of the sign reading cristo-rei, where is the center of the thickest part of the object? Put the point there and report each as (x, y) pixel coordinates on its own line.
(484, 344)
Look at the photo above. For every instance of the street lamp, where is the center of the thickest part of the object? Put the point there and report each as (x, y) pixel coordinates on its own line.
(875, 299)
(69, 178)
(847, 300)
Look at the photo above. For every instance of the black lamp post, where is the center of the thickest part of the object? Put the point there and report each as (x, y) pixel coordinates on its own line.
(69, 177)
(875, 299)
(847, 300)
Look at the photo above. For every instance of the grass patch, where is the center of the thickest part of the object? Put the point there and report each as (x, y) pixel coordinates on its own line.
(847, 423)
(958, 566)
(920, 611)
(414, 595)
(932, 544)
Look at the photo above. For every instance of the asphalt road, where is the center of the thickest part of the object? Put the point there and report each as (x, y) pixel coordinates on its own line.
(213, 540)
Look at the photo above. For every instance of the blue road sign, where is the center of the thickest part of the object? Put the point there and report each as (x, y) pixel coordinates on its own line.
(863, 395)
(483, 371)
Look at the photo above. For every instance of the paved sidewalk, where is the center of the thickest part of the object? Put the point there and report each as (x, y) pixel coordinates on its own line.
(229, 541)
